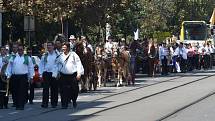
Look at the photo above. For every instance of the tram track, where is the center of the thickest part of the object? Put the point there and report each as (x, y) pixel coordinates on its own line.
(140, 87)
(186, 106)
(151, 95)
(120, 93)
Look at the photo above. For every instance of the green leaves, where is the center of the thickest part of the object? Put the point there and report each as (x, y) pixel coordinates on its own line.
(125, 16)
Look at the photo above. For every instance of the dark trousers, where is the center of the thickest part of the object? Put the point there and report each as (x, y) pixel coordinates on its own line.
(164, 66)
(52, 83)
(190, 65)
(20, 88)
(197, 61)
(69, 88)
(31, 94)
(3, 97)
(133, 68)
(12, 89)
(151, 66)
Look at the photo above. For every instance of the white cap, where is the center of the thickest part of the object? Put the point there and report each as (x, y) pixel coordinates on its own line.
(72, 37)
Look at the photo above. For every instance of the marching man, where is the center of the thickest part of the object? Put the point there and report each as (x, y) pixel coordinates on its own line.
(48, 71)
(20, 69)
(70, 69)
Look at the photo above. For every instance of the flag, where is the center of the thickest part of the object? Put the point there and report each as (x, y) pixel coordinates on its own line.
(136, 35)
(212, 20)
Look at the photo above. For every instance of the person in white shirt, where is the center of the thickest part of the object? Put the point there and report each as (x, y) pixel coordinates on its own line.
(181, 55)
(109, 46)
(48, 71)
(204, 56)
(12, 55)
(58, 47)
(72, 41)
(20, 68)
(86, 44)
(70, 69)
(163, 53)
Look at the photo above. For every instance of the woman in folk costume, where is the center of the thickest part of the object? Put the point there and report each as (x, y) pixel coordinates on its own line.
(190, 57)
(152, 52)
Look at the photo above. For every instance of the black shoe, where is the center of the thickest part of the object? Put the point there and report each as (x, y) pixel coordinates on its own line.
(74, 104)
(64, 107)
(83, 90)
(13, 105)
(44, 106)
(6, 107)
(1, 107)
(31, 102)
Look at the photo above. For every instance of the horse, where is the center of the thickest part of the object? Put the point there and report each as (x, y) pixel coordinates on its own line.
(87, 59)
(121, 65)
(101, 66)
(124, 66)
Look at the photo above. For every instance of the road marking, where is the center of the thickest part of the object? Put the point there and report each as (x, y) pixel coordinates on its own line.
(12, 113)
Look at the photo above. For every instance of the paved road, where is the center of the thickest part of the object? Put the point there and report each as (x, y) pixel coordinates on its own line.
(149, 100)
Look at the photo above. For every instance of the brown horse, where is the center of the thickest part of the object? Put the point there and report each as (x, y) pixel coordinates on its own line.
(100, 64)
(121, 65)
(87, 60)
(124, 64)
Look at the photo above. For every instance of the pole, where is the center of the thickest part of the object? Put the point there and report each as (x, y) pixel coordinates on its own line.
(29, 32)
(29, 38)
(0, 28)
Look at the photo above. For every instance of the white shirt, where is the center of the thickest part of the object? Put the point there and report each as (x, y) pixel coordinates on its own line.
(163, 52)
(71, 65)
(89, 46)
(16, 66)
(48, 64)
(3, 60)
(181, 52)
(204, 50)
(108, 47)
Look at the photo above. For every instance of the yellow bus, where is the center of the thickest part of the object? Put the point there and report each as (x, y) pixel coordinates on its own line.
(193, 32)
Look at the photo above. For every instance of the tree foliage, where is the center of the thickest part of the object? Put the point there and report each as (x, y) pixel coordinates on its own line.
(125, 16)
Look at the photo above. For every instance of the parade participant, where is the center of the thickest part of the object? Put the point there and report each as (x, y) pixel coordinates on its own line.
(72, 41)
(3, 85)
(20, 68)
(11, 84)
(32, 84)
(70, 70)
(58, 47)
(181, 54)
(86, 44)
(109, 46)
(163, 53)
(204, 56)
(134, 49)
(48, 71)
